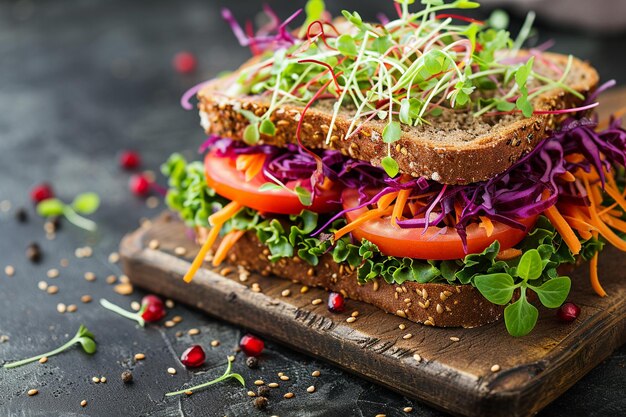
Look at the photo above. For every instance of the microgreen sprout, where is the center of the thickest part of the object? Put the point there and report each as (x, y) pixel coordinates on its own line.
(408, 70)
(82, 336)
(125, 313)
(521, 316)
(227, 374)
(86, 203)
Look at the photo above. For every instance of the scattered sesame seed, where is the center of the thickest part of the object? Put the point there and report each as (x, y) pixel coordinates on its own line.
(140, 356)
(52, 273)
(5, 205)
(417, 357)
(169, 323)
(96, 380)
(251, 394)
(103, 379)
(64, 262)
(4, 338)
(177, 319)
(316, 301)
(284, 378)
(42, 285)
(90, 276)
(114, 257)
(402, 326)
(381, 415)
(351, 319)
(289, 395)
(32, 392)
(215, 343)
(153, 244)
(111, 279)
(178, 334)
(86, 299)
(43, 360)
(123, 289)
(180, 251)
(316, 373)
(169, 303)
(152, 202)
(259, 382)
(401, 313)
(135, 305)
(355, 314)
(454, 339)
(407, 409)
(310, 389)
(256, 287)
(52, 289)
(61, 308)
(193, 332)
(281, 373)
(171, 371)
(286, 293)
(304, 289)
(273, 385)
(83, 403)
(495, 368)
(231, 358)
(9, 270)
(188, 393)
(72, 308)
(407, 336)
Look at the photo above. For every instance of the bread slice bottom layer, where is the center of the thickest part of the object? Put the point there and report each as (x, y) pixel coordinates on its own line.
(440, 305)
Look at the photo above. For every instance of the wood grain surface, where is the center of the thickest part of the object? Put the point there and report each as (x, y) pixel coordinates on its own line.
(453, 375)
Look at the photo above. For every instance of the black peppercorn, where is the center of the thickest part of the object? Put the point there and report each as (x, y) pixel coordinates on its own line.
(127, 377)
(21, 215)
(252, 362)
(33, 252)
(260, 402)
(263, 391)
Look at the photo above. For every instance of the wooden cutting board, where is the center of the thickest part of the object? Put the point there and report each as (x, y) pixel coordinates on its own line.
(452, 375)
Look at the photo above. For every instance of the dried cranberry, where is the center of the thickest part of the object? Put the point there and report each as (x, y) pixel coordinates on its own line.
(336, 302)
(193, 357)
(185, 62)
(130, 160)
(251, 345)
(41, 192)
(568, 312)
(154, 308)
(139, 185)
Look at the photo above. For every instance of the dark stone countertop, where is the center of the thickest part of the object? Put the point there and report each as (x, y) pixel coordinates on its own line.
(78, 82)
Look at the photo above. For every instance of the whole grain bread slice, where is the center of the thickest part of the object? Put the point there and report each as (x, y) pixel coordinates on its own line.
(456, 149)
(440, 305)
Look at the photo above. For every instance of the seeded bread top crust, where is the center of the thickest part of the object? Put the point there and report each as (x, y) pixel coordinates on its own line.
(456, 148)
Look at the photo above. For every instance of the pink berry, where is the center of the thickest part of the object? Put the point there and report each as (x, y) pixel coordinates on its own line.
(568, 312)
(139, 185)
(130, 160)
(185, 62)
(154, 308)
(336, 302)
(41, 192)
(193, 357)
(251, 345)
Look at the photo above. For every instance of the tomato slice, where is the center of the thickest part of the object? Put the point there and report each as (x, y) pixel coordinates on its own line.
(223, 176)
(433, 244)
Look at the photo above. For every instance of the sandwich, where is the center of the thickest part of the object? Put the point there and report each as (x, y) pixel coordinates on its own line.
(426, 164)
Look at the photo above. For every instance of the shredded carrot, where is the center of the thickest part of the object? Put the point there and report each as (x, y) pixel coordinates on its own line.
(568, 177)
(384, 201)
(486, 224)
(369, 215)
(564, 229)
(609, 210)
(225, 245)
(593, 274)
(614, 222)
(197, 262)
(326, 185)
(616, 115)
(579, 224)
(507, 254)
(255, 167)
(243, 161)
(606, 232)
(457, 210)
(615, 195)
(228, 211)
(574, 158)
(398, 208)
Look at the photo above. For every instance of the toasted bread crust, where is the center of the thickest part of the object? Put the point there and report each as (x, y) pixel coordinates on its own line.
(439, 305)
(421, 151)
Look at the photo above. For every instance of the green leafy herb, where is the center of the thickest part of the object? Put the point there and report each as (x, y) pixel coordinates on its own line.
(390, 166)
(125, 313)
(86, 203)
(305, 196)
(267, 128)
(521, 316)
(392, 132)
(251, 134)
(83, 336)
(226, 375)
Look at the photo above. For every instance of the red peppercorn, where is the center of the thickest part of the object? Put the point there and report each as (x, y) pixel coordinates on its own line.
(251, 345)
(41, 192)
(139, 185)
(130, 160)
(336, 302)
(154, 308)
(185, 62)
(193, 356)
(568, 312)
